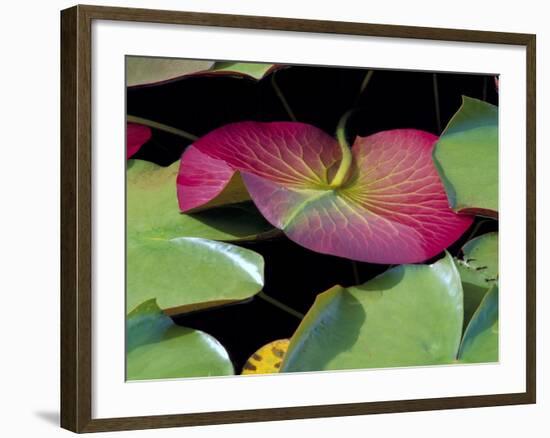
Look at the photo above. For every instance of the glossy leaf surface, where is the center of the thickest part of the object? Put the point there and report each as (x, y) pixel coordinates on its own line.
(480, 343)
(467, 158)
(474, 288)
(390, 207)
(478, 270)
(410, 315)
(158, 349)
(152, 210)
(187, 270)
(145, 70)
(481, 255)
(171, 257)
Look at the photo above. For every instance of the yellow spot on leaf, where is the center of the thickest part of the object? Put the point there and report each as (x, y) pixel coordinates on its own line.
(268, 359)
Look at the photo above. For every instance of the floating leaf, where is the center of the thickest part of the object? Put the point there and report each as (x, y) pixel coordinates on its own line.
(182, 271)
(143, 70)
(410, 315)
(152, 210)
(466, 156)
(268, 359)
(478, 271)
(480, 343)
(250, 69)
(481, 255)
(474, 288)
(158, 349)
(208, 182)
(136, 136)
(148, 70)
(169, 254)
(390, 207)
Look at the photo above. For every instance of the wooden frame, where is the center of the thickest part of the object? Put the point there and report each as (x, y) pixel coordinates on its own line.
(76, 168)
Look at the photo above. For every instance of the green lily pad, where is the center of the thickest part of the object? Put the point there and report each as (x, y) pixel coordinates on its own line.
(478, 271)
(153, 212)
(410, 315)
(186, 271)
(142, 70)
(480, 342)
(156, 348)
(474, 288)
(252, 69)
(172, 257)
(466, 157)
(481, 255)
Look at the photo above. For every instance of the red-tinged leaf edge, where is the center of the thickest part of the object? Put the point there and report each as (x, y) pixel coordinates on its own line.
(390, 208)
(213, 73)
(136, 136)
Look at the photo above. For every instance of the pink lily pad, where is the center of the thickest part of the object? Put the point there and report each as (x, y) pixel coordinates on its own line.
(136, 136)
(390, 208)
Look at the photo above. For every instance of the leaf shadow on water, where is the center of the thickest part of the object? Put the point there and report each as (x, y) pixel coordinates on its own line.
(333, 327)
(235, 219)
(323, 343)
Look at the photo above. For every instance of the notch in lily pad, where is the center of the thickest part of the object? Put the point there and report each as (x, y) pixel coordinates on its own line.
(411, 315)
(478, 270)
(466, 157)
(480, 343)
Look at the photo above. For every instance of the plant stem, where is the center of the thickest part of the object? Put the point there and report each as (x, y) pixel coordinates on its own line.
(363, 86)
(282, 97)
(345, 164)
(436, 101)
(161, 126)
(355, 272)
(280, 305)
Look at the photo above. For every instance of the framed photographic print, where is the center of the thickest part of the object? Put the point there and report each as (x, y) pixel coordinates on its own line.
(338, 215)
